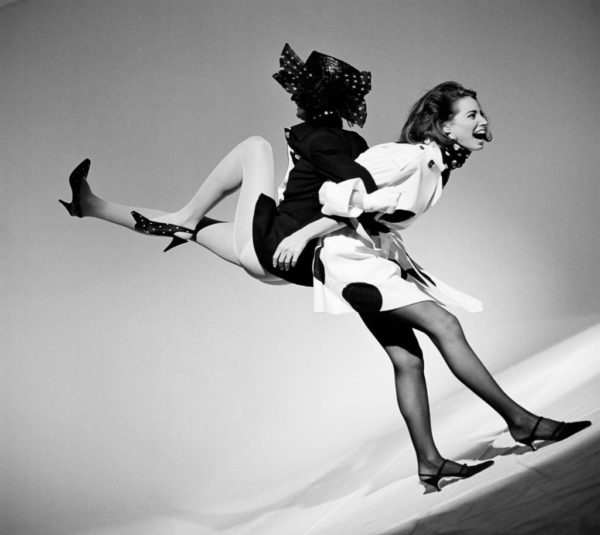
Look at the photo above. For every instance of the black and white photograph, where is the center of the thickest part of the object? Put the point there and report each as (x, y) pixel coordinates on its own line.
(300, 267)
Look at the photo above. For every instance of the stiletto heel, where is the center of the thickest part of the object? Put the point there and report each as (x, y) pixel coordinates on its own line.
(433, 479)
(562, 431)
(175, 242)
(154, 228)
(528, 441)
(465, 471)
(78, 175)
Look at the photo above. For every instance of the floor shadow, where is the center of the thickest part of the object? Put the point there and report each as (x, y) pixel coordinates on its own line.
(556, 498)
(338, 482)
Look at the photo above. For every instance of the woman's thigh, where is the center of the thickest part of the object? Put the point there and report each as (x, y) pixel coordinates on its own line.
(392, 331)
(257, 179)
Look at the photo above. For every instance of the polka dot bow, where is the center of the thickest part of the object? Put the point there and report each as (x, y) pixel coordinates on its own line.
(325, 83)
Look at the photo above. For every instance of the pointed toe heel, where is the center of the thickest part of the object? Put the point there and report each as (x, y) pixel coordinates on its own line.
(67, 205)
(466, 471)
(154, 228)
(567, 429)
(562, 431)
(78, 175)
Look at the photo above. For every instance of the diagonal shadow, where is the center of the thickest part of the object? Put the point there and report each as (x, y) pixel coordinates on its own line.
(558, 497)
(334, 484)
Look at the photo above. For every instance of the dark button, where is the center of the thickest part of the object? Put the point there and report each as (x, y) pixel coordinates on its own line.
(421, 147)
(430, 164)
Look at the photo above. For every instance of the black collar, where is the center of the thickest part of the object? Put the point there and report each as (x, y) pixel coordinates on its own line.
(332, 121)
(301, 130)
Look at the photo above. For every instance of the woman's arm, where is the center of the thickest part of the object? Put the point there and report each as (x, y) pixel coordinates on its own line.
(329, 153)
(289, 249)
(349, 199)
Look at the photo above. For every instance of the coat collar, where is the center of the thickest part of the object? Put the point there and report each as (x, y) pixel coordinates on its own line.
(434, 151)
(301, 130)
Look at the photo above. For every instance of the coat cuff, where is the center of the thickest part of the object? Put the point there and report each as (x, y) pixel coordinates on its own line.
(335, 197)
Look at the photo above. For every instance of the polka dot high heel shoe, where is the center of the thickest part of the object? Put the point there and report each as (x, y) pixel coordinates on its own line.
(154, 228)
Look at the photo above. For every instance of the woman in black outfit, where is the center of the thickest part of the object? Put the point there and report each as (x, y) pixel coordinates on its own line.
(325, 90)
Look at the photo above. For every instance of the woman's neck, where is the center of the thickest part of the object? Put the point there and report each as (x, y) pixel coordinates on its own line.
(326, 118)
(454, 156)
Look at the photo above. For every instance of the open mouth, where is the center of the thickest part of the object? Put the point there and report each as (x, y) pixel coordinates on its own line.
(481, 134)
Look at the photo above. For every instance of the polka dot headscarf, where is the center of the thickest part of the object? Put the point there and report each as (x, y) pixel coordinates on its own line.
(325, 83)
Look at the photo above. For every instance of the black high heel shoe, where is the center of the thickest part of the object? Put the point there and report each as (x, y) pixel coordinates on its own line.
(154, 228)
(563, 430)
(465, 471)
(78, 175)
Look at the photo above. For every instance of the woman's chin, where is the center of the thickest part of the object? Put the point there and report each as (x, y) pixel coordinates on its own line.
(474, 145)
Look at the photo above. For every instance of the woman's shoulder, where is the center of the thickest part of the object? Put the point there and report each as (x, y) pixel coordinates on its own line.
(307, 132)
(394, 151)
(327, 138)
(404, 153)
(395, 147)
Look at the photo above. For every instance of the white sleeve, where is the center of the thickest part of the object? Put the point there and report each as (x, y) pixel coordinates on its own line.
(336, 197)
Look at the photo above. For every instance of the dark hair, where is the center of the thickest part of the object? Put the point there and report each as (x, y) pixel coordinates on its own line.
(431, 111)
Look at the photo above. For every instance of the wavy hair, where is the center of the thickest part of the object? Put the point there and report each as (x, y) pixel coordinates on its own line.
(427, 117)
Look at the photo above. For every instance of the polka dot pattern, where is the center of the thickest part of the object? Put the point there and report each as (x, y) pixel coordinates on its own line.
(325, 84)
(454, 156)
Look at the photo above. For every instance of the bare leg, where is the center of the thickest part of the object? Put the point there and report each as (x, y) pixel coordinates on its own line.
(218, 238)
(249, 166)
(119, 214)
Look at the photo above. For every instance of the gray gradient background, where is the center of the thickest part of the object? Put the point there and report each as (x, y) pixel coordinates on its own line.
(137, 382)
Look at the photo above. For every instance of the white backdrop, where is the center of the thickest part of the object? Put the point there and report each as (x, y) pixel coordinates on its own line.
(135, 380)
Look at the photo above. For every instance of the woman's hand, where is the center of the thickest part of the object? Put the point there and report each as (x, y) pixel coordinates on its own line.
(289, 249)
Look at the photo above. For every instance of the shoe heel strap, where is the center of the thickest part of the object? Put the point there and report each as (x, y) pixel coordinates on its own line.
(439, 470)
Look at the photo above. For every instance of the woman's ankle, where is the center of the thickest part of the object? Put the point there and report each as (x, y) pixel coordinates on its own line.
(429, 463)
(520, 420)
(184, 217)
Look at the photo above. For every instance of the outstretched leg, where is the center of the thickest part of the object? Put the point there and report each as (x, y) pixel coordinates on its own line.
(401, 345)
(249, 166)
(446, 333)
(218, 238)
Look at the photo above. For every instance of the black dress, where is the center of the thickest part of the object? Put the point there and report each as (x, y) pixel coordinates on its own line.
(322, 151)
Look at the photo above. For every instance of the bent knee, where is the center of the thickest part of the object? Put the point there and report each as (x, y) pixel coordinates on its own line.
(406, 362)
(256, 143)
(250, 264)
(445, 323)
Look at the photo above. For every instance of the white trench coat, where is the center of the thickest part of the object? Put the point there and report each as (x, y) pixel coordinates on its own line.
(356, 271)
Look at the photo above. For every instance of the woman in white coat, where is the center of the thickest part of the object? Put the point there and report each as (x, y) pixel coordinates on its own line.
(369, 270)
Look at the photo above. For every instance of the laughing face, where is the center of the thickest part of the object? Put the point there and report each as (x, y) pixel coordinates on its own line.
(468, 127)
